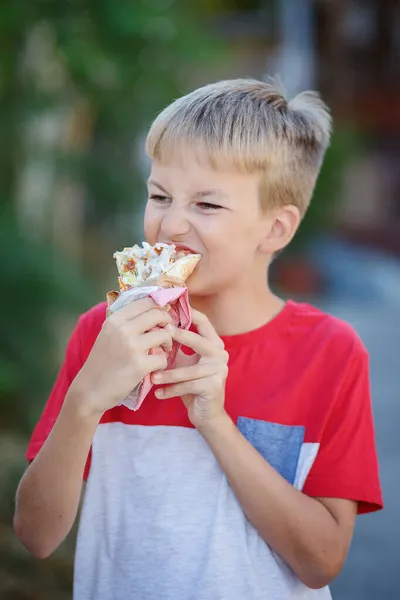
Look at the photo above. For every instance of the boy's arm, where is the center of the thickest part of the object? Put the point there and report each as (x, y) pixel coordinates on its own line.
(49, 492)
(312, 536)
(311, 531)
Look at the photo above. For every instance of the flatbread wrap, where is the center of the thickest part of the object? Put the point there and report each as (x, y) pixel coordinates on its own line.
(158, 271)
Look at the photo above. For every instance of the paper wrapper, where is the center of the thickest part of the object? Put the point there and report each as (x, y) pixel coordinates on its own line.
(177, 298)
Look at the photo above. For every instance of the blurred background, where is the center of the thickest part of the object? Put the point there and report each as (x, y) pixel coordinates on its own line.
(80, 81)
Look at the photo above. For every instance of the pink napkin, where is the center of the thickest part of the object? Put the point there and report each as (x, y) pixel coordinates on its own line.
(178, 299)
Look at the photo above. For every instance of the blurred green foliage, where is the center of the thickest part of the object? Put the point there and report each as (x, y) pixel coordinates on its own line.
(32, 296)
(80, 80)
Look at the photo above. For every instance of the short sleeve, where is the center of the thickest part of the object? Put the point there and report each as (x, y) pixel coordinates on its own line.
(73, 362)
(346, 465)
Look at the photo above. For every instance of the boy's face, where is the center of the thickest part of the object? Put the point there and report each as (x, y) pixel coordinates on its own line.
(213, 213)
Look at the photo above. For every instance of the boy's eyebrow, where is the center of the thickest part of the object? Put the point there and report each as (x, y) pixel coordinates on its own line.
(199, 194)
(208, 193)
(153, 182)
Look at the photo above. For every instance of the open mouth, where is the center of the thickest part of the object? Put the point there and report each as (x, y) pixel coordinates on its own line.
(181, 251)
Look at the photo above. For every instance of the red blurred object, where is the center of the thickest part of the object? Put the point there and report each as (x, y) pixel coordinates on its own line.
(298, 276)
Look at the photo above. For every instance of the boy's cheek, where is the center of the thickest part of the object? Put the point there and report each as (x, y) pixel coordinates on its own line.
(150, 228)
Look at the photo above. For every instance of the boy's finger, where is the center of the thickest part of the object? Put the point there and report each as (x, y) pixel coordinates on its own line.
(204, 327)
(136, 308)
(196, 342)
(156, 362)
(156, 317)
(181, 374)
(196, 386)
(167, 347)
(155, 339)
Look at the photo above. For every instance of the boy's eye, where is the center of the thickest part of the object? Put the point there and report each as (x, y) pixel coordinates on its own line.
(158, 198)
(208, 206)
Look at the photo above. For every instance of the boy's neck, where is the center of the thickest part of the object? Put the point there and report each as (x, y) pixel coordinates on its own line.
(239, 311)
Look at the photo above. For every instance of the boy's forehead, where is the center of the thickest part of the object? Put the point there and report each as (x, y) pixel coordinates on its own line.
(191, 176)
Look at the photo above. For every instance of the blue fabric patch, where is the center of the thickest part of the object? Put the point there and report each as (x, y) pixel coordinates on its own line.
(280, 445)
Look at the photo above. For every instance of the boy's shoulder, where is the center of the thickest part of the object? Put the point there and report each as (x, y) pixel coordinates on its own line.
(95, 316)
(310, 321)
(90, 324)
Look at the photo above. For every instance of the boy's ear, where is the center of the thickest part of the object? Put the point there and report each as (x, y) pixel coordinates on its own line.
(282, 224)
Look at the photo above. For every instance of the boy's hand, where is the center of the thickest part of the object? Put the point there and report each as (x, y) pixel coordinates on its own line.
(120, 357)
(200, 378)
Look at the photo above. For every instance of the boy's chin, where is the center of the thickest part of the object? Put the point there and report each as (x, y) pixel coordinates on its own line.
(198, 287)
(195, 285)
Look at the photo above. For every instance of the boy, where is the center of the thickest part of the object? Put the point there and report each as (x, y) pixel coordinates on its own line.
(222, 486)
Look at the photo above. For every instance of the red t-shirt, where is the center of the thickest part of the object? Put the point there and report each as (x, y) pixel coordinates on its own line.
(298, 389)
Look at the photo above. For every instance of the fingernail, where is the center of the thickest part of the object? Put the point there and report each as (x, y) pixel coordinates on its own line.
(167, 307)
(170, 328)
(157, 377)
(159, 393)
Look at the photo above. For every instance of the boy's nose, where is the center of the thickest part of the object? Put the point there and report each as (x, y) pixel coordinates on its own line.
(174, 224)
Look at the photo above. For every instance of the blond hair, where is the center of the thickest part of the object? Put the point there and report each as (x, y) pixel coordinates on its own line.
(250, 125)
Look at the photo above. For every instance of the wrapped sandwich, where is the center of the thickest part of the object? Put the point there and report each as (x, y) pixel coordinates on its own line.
(158, 271)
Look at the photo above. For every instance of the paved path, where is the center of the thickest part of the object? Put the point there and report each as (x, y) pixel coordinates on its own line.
(372, 571)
